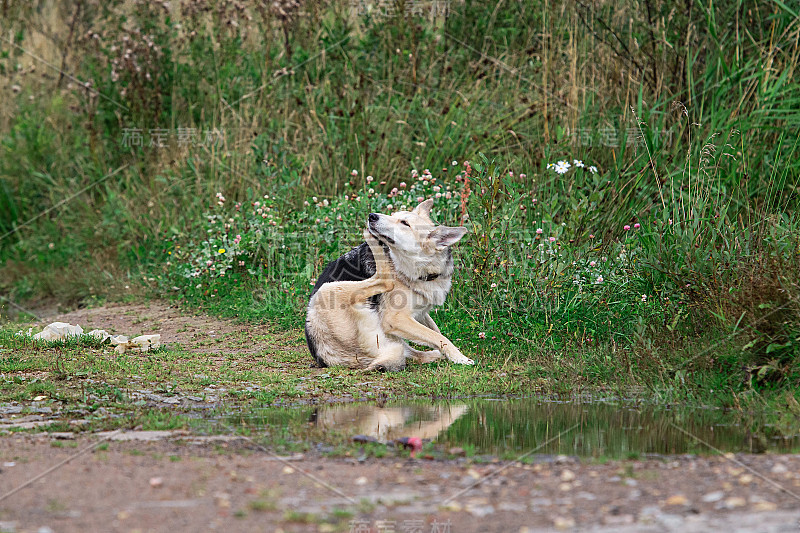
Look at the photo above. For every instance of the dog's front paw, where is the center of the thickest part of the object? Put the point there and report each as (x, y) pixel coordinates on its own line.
(455, 355)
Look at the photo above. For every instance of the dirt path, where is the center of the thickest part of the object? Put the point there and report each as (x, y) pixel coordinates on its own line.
(230, 485)
(192, 332)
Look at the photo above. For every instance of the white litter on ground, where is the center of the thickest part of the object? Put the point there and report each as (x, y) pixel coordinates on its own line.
(100, 334)
(142, 343)
(61, 330)
(57, 331)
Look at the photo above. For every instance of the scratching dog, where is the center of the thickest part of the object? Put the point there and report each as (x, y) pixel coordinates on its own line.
(369, 301)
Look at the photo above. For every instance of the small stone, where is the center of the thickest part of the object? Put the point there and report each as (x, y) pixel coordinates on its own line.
(618, 520)
(479, 510)
(474, 474)
(564, 487)
(156, 482)
(563, 522)
(361, 481)
(222, 499)
(39, 398)
(631, 482)
(62, 435)
(512, 507)
(288, 470)
(677, 499)
(452, 506)
(457, 451)
(649, 512)
(123, 515)
(734, 502)
(779, 468)
(712, 497)
(745, 479)
(567, 475)
(44, 529)
(764, 506)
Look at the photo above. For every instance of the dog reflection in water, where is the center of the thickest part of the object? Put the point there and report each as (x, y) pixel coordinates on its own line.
(389, 423)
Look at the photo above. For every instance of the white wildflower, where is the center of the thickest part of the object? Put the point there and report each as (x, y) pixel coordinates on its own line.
(562, 167)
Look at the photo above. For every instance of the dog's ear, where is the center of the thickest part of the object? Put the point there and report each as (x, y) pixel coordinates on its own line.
(424, 209)
(444, 236)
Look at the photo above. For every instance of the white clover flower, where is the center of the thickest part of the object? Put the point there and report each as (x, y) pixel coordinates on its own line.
(578, 163)
(593, 169)
(562, 167)
(454, 163)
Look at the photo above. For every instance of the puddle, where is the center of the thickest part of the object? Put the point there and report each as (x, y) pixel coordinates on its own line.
(490, 426)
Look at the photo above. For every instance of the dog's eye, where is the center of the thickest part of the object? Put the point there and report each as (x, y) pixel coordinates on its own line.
(403, 222)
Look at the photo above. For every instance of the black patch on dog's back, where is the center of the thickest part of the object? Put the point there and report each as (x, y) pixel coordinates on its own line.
(356, 265)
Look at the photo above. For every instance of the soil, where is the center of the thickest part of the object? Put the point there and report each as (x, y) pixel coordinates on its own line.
(191, 332)
(183, 483)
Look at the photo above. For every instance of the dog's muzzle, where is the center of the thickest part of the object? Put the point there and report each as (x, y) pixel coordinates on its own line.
(373, 219)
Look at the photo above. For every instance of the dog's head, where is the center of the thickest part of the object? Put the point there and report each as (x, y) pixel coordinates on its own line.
(413, 234)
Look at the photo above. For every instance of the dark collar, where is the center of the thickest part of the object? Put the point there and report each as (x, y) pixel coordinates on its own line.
(429, 277)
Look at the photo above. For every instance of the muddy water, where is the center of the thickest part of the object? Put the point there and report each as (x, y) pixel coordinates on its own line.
(503, 426)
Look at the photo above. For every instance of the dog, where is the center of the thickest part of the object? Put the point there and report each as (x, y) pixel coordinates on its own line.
(367, 302)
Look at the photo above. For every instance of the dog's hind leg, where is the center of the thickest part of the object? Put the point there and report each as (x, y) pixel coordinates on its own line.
(357, 292)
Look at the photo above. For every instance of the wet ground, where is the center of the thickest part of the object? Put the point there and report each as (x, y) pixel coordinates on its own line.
(511, 426)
